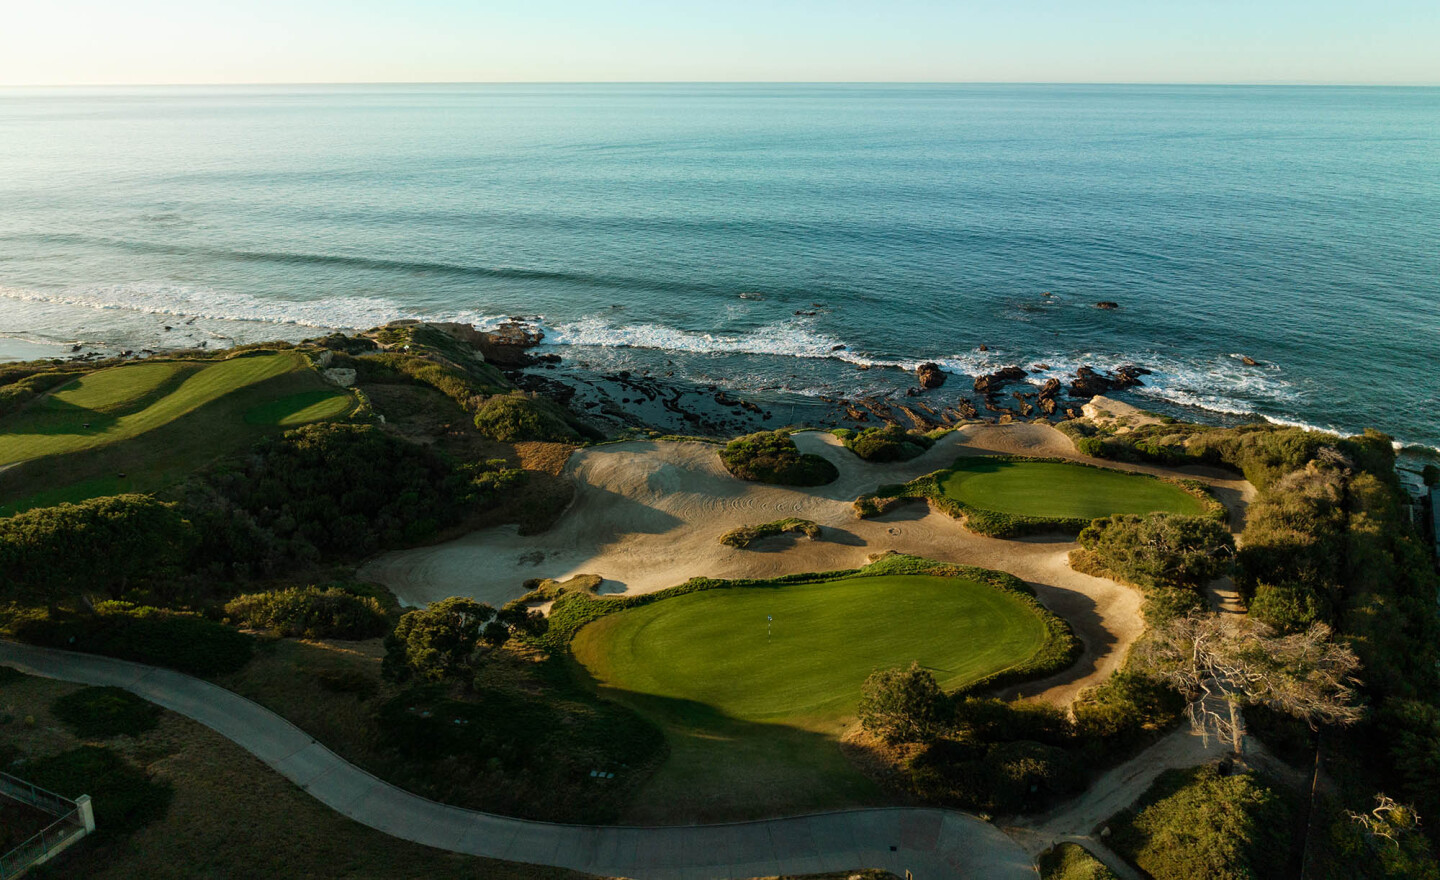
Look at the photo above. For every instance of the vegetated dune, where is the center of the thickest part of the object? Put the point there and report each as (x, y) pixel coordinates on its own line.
(648, 515)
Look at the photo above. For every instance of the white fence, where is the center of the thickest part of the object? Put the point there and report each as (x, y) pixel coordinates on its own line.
(73, 820)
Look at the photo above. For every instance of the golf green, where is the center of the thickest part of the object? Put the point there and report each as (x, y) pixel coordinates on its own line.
(1060, 490)
(799, 653)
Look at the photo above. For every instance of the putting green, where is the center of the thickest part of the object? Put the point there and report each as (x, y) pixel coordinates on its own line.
(711, 648)
(120, 405)
(301, 408)
(1060, 490)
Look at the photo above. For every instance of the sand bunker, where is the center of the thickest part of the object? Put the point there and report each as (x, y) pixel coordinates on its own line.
(649, 515)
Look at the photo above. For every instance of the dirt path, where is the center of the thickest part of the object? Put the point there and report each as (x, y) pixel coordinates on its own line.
(649, 515)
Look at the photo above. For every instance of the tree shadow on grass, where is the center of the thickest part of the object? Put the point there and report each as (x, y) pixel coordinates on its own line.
(58, 417)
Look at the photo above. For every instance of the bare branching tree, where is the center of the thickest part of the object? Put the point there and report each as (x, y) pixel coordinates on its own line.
(1225, 664)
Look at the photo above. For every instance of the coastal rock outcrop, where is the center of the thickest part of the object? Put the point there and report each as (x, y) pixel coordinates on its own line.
(930, 375)
(1107, 305)
(993, 382)
(1088, 382)
(508, 344)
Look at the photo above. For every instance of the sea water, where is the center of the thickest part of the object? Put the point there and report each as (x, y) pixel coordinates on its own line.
(761, 236)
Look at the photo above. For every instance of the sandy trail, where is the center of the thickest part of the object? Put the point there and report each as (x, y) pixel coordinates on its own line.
(649, 515)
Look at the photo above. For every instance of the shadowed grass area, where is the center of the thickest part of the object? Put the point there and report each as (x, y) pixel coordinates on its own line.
(157, 458)
(1061, 491)
(301, 408)
(116, 404)
(753, 719)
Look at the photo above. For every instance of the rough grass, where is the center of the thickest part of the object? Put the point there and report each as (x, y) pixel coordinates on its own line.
(747, 535)
(1071, 861)
(753, 720)
(230, 815)
(104, 712)
(116, 405)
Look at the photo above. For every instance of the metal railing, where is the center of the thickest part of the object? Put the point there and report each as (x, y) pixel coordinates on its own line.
(67, 827)
(41, 844)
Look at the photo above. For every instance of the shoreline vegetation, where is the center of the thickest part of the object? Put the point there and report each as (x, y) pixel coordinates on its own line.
(236, 555)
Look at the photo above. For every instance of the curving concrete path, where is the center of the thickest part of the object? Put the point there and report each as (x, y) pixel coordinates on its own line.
(931, 843)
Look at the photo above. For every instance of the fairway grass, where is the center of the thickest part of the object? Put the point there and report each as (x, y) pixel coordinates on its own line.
(301, 408)
(117, 404)
(1060, 490)
(753, 718)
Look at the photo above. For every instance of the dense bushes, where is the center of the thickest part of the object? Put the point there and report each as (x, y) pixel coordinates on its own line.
(440, 640)
(104, 545)
(123, 796)
(1201, 825)
(1294, 549)
(311, 612)
(747, 535)
(1160, 549)
(511, 418)
(903, 705)
(19, 391)
(773, 457)
(1001, 777)
(103, 712)
(330, 492)
(175, 639)
(1071, 861)
(880, 445)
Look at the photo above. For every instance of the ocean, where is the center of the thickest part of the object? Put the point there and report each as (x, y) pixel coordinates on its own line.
(762, 238)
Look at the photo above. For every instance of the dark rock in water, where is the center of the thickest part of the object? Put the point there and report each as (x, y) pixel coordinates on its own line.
(1070, 413)
(1129, 375)
(1107, 305)
(1047, 294)
(930, 375)
(507, 344)
(984, 347)
(1088, 383)
(966, 409)
(1050, 389)
(1248, 361)
(1047, 405)
(1025, 407)
(1040, 368)
(993, 382)
(837, 347)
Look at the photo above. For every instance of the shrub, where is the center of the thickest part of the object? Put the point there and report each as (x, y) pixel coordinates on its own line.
(1126, 711)
(14, 394)
(124, 797)
(174, 639)
(1005, 777)
(310, 612)
(887, 444)
(773, 457)
(1160, 549)
(1071, 861)
(438, 641)
(747, 535)
(1200, 825)
(103, 712)
(903, 705)
(106, 545)
(510, 418)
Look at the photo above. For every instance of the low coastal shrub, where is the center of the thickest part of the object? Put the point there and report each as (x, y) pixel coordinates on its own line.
(16, 393)
(1161, 549)
(124, 797)
(310, 612)
(1200, 824)
(1002, 777)
(174, 639)
(104, 545)
(103, 712)
(880, 445)
(511, 418)
(747, 535)
(772, 457)
(1071, 861)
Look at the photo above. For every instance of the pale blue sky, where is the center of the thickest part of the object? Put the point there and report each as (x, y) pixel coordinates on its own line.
(282, 41)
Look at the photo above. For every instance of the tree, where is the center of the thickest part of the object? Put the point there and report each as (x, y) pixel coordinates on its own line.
(1226, 664)
(103, 545)
(1161, 549)
(437, 641)
(1384, 842)
(903, 705)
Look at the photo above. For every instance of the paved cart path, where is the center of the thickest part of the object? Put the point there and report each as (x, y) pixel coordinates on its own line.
(931, 843)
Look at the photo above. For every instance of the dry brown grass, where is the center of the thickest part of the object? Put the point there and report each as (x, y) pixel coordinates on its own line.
(232, 817)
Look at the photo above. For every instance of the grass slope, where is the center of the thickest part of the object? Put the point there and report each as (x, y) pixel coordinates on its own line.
(1062, 491)
(753, 722)
(116, 404)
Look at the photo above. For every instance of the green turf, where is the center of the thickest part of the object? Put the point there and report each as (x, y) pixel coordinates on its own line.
(1060, 490)
(301, 408)
(118, 404)
(753, 720)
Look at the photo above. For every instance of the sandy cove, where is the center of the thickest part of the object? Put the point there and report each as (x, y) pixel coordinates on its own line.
(649, 515)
